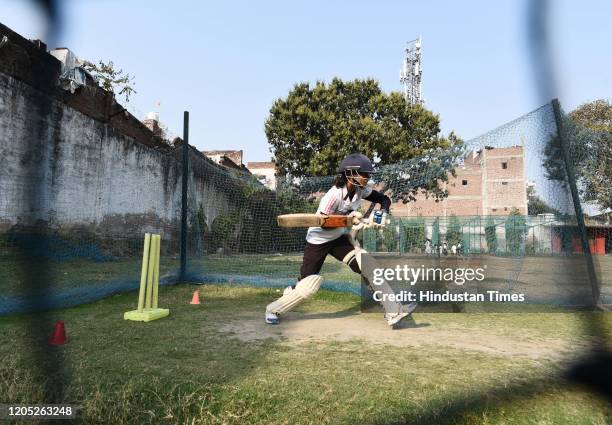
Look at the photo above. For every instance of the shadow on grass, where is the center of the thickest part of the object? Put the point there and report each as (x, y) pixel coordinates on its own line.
(119, 370)
(490, 398)
(591, 374)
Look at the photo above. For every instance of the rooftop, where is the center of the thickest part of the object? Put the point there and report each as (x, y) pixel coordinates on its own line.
(261, 165)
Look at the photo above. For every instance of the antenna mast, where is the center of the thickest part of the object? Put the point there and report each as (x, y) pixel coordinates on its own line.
(410, 74)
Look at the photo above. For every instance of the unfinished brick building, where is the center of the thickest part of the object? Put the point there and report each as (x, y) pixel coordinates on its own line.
(489, 182)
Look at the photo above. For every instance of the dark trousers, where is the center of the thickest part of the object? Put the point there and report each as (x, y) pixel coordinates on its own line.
(314, 255)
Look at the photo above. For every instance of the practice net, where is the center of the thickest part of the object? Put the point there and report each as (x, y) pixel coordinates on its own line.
(505, 194)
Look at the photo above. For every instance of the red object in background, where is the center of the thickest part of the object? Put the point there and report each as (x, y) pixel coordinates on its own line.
(196, 297)
(597, 244)
(576, 244)
(600, 245)
(59, 334)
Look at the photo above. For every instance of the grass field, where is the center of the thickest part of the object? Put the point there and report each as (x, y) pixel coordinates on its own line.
(217, 363)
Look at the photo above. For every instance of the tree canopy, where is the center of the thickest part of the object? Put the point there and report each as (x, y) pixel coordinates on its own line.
(596, 115)
(536, 205)
(516, 229)
(314, 127)
(588, 132)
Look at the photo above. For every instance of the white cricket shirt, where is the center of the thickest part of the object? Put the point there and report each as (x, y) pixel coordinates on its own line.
(335, 201)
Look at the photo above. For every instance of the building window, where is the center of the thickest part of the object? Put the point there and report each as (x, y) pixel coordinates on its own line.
(505, 208)
(493, 209)
(504, 165)
(504, 183)
(464, 182)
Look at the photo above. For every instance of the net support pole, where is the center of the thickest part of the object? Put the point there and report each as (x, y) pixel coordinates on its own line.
(571, 179)
(185, 177)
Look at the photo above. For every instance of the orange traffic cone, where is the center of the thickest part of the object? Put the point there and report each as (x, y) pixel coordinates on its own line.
(196, 297)
(59, 334)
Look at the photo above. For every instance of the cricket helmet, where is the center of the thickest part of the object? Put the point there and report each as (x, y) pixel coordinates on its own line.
(354, 164)
(357, 162)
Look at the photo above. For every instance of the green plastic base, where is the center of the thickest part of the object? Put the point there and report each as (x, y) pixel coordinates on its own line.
(146, 315)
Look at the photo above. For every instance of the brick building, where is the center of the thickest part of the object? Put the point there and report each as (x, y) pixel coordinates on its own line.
(489, 182)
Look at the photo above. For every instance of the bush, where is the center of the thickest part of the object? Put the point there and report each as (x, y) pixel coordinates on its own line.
(413, 235)
(222, 232)
(454, 234)
(435, 232)
(491, 235)
(515, 232)
(389, 237)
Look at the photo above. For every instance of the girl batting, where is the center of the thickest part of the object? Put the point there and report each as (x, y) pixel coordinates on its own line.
(345, 196)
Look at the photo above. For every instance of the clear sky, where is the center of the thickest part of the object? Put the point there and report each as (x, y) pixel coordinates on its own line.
(227, 61)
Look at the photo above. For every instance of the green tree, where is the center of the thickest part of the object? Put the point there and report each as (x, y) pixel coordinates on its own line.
(454, 234)
(596, 115)
(314, 127)
(413, 234)
(588, 134)
(536, 205)
(491, 235)
(435, 232)
(515, 232)
(111, 79)
(389, 237)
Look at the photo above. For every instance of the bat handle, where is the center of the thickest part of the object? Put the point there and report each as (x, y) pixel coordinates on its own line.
(356, 222)
(369, 211)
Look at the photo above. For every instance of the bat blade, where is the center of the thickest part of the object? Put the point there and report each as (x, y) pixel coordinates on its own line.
(314, 220)
(299, 220)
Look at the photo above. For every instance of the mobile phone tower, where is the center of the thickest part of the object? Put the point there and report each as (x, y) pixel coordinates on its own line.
(411, 72)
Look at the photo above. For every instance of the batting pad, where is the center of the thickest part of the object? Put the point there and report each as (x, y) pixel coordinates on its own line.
(304, 289)
(354, 255)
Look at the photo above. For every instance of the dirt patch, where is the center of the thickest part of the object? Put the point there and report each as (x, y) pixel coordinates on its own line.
(297, 328)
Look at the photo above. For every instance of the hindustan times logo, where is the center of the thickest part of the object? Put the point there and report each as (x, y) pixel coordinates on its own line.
(414, 275)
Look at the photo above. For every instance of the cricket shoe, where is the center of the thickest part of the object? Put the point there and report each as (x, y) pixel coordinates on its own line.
(405, 311)
(272, 319)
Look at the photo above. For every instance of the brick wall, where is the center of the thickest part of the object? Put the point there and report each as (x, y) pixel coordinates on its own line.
(505, 184)
(482, 186)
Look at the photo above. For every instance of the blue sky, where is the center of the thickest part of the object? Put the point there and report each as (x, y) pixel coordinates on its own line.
(226, 62)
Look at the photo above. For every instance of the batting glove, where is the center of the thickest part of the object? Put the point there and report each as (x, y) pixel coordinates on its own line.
(356, 217)
(371, 224)
(358, 223)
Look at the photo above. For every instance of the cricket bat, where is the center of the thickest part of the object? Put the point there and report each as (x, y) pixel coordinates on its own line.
(316, 220)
